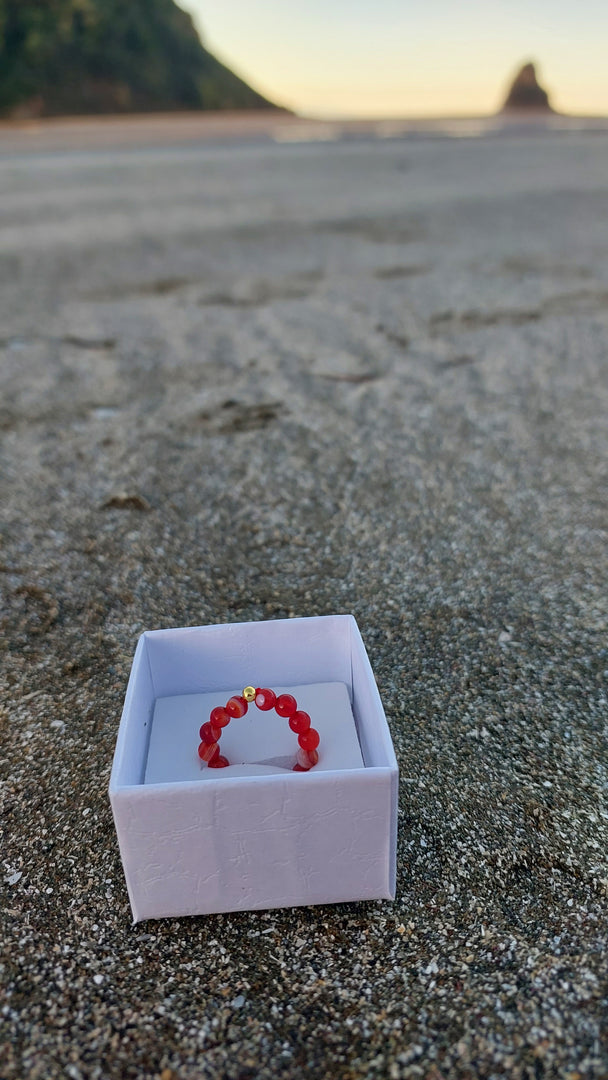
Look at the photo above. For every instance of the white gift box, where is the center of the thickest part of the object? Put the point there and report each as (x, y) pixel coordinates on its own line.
(195, 840)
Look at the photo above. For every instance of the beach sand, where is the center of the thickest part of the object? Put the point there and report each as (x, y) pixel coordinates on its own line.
(264, 379)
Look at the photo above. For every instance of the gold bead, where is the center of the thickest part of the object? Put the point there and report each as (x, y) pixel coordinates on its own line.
(249, 693)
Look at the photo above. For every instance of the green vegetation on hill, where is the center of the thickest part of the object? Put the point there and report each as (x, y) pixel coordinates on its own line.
(106, 56)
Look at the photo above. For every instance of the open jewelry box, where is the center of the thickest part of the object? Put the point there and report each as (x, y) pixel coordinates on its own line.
(195, 840)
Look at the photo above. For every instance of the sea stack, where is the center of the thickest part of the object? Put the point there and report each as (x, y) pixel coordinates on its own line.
(525, 94)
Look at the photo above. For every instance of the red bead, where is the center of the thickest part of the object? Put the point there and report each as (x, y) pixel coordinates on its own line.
(299, 768)
(286, 705)
(309, 740)
(219, 717)
(300, 721)
(237, 706)
(306, 759)
(209, 733)
(265, 699)
(207, 751)
(219, 762)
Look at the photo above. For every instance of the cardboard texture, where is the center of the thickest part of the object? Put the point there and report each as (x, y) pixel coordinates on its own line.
(270, 838)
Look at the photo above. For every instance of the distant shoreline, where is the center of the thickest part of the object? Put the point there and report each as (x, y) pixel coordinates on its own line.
(170, 128)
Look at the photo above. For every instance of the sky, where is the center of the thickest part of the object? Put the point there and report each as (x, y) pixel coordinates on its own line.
(410, 57)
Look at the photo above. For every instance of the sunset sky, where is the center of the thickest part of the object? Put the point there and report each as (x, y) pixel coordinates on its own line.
(409, 57)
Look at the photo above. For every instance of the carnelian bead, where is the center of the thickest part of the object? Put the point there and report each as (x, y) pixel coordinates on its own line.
(286, 705)
(265, 699)
(209, 732)
(207, 751)
(237, 706)
(309, 740)
(219, 762)
(306, 758)
(219, 717)
(299, 722)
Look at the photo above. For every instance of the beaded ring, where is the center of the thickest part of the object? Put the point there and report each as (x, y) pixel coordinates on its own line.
(265, 699)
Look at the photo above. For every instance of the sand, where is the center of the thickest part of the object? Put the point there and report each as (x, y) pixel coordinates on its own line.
(271, 379)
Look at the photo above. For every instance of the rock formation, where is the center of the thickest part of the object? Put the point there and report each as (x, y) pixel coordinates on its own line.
(526, 94)
(109, 56)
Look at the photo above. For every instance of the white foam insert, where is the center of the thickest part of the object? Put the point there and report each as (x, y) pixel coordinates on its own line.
(255, 744)
(265, 839)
